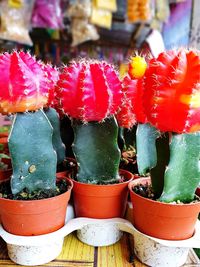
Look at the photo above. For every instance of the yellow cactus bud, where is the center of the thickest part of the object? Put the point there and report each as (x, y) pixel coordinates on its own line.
(137, 67)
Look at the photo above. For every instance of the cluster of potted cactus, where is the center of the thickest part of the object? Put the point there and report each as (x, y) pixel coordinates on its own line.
(165, 100)
(162, 97)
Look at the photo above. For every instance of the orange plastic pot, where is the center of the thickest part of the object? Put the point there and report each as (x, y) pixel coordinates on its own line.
(163, 220)
(101, 201)
(34, 217)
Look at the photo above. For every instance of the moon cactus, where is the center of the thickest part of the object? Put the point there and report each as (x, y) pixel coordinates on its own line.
(91, 94)
(172, 105)
(24, 91)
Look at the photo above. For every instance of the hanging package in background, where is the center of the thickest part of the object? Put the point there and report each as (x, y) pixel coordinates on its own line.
(82, 30)
(79, 9)
(101, 18)
(161, 14)
(15, 20)
(138, 10)
(47, 14)
(110, 5)
(102, 13)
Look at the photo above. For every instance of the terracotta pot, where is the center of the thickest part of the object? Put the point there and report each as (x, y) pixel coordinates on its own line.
(34, 217)
(101, 201)
(163, 220)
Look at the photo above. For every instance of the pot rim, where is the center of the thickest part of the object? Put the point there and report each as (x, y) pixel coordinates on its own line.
(108, 185)
(136, 181)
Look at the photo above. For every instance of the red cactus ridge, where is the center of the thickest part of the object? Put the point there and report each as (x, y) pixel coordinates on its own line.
(90, 90)
(172, 91)
(132, 109)
(23, 84)
(52, 74)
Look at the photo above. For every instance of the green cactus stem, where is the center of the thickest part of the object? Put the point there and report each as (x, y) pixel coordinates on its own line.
(58, 145)
(96, 150)
(152, 155)
(146, 136)
(32, 154)
(182, 175)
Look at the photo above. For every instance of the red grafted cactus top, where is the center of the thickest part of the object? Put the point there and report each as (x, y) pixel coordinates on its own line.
(172, 91)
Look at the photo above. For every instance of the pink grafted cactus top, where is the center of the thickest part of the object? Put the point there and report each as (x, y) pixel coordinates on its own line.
(52, 76)
(90, 90)
(23, 83)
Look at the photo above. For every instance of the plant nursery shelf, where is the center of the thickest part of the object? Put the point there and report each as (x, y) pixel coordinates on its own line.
(75, 253)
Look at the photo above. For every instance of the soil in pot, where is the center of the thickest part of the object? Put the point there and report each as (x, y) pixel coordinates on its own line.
(61, 187)
(145, 190)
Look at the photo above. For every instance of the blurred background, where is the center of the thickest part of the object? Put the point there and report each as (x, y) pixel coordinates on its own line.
(59, 30)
